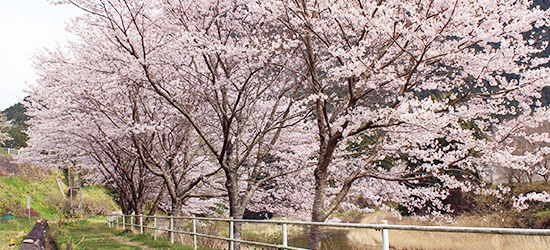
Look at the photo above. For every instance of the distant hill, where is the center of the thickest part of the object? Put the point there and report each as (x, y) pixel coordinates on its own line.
(17, 117)
(544, 4)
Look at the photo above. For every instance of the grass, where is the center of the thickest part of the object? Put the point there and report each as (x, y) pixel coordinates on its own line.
(15, 189)
(46, 200)
(266, 232)
(362, 239)
(356, 239)
(95, 234)
(13, 231)
(46, 197)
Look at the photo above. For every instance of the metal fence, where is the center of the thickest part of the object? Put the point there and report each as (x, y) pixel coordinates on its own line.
(11, 151)
(137, 221)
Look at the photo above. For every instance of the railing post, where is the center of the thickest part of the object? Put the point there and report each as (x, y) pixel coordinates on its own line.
(117, 219)
(172, 229)
(385, 239)
(231, 234)
(132, 222)
(285, 237)
(123, 222)
(141, 223)
(194, 232)
(155, 227)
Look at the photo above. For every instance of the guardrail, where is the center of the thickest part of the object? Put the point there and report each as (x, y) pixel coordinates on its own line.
(120, 220)
(11, 151)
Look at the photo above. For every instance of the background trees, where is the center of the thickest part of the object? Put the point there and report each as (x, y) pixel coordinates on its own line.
(17, 118)
(4, 125)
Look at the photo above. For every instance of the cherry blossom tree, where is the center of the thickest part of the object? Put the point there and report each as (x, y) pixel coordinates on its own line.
(168, 149)
(67, 126)
(112, 126)
(227, 83)
(221, 68)
(412, 79)
(524, 149)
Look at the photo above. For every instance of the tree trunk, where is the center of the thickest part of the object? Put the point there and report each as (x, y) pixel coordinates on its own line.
(236, 208)
(176, 206)
(316, 234)
(318, 210)
(319, 214)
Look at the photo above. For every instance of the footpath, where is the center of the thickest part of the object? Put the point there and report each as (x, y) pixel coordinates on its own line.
(95, 234)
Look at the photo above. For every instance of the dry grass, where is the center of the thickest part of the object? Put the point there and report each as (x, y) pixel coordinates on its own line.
(266, 232)
(371, 239)
(362, 239)
(203, 227)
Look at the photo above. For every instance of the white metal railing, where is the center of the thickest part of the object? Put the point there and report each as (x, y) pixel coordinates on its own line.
(11, 151)
(120, 220)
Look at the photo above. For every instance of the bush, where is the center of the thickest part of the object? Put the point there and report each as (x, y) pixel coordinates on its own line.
(501, 208)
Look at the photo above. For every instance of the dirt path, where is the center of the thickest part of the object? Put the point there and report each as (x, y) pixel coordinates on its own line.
(96, 235)
(127, 242)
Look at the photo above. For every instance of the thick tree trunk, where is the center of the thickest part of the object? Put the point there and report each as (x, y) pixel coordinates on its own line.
(176, 206)
(236, 208)
(237, 227)
(318, 210)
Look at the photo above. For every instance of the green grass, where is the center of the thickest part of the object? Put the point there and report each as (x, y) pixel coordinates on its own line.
(13, 231)
(15, 189)
(46, 197)
(95, 234)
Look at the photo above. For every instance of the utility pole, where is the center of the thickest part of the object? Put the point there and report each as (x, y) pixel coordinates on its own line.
(75, 185)
(80, 207)
(70, 181)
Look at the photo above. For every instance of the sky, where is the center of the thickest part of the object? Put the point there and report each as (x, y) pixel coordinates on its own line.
(26, 27)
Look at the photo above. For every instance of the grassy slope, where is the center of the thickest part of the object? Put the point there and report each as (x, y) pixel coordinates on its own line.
(15, 189)
(45, 195)
(45, 198)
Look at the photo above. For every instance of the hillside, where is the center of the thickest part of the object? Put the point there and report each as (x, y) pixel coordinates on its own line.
(47, 201)
(17, 118)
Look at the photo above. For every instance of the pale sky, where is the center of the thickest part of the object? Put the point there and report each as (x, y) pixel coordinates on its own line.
(27, 26)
